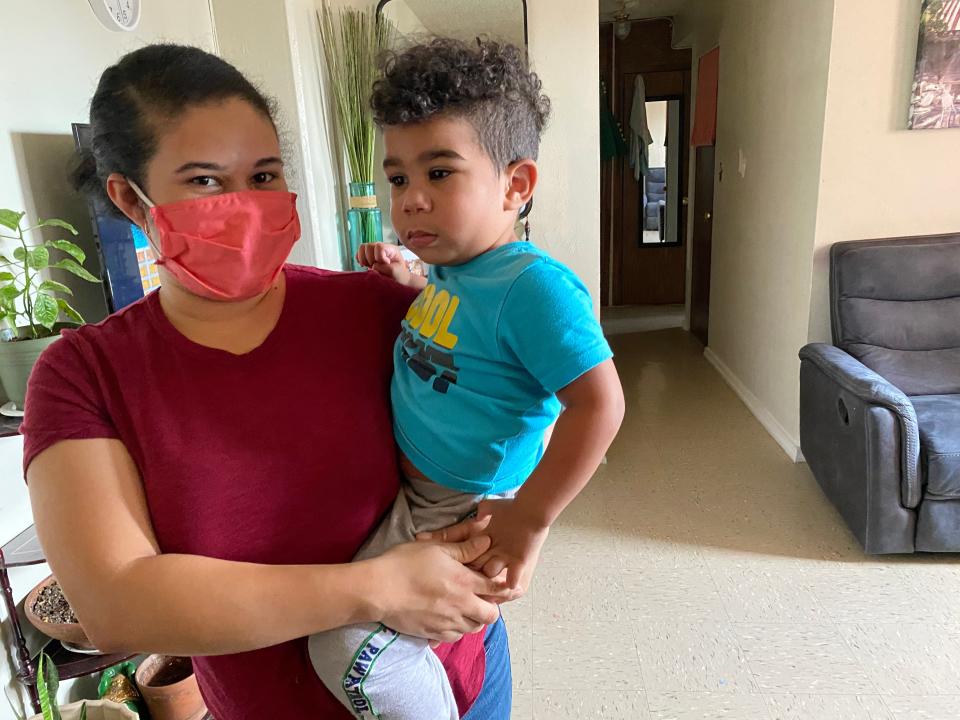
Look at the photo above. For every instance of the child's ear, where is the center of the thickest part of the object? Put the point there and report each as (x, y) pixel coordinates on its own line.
(521, 181)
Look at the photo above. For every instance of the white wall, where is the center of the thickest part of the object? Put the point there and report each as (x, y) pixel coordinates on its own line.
(54, 52)
(565, 52)
(878, 178)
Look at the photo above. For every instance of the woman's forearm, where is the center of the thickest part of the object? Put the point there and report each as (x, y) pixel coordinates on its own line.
(192, 605)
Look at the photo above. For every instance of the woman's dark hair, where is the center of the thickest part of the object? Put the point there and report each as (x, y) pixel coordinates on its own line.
(487, 83)
(134, 97)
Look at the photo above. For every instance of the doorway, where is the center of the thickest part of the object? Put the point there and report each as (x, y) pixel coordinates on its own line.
(643, 188)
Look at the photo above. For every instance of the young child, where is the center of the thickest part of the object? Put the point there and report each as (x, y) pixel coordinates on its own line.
(500, 338)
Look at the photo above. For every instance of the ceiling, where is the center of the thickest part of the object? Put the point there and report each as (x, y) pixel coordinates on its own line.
(640, 9)
(500, 19)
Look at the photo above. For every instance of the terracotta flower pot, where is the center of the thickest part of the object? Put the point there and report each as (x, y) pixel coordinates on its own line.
(96, 710)
(170, 688)
(65, 632)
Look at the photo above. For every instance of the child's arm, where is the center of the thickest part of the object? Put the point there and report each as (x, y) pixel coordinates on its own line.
(388, 261)
(593, 410)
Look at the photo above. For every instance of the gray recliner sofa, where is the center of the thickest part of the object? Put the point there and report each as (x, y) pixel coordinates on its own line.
(880, 408)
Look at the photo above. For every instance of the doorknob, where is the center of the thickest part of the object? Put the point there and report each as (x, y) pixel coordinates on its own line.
(707, 215)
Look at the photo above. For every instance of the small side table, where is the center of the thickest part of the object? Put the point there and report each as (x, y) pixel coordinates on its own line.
(23, 550)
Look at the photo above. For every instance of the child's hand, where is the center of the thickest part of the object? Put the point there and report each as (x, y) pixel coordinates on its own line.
(516, 540)
(385, 259)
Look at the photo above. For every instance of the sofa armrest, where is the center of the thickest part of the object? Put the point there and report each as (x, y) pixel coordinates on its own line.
(856, 379)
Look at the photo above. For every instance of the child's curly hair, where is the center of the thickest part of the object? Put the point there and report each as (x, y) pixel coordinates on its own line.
(488, 84)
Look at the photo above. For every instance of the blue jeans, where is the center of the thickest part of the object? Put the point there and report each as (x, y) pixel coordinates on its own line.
(496, 696)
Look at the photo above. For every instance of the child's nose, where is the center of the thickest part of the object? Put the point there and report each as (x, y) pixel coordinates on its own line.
(415, 200)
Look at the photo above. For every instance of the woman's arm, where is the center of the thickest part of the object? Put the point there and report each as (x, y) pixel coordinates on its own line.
(92, 520)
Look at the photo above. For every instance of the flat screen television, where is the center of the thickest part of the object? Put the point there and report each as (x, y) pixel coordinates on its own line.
(126, 258)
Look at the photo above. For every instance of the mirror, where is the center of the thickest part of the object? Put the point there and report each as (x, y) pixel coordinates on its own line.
(660, 221)
(504, 20)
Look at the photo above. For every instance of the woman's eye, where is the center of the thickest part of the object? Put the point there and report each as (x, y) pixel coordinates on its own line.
(396, 180)
(262, 178)
(438, 174)
(204, 181)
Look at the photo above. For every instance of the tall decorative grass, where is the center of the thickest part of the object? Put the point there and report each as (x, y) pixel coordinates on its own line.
(352, 42)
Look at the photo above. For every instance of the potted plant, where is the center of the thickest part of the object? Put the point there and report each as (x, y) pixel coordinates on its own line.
(32, 305)
(352, 42)
(48, 681)
(169, 688)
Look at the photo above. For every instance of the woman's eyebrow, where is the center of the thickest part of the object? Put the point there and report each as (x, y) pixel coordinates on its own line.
(198, 165)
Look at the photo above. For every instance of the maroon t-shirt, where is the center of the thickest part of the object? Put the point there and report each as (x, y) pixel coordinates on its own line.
(284, 455)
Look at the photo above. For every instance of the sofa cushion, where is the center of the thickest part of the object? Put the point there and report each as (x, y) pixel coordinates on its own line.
(938, 419)
(895, 305)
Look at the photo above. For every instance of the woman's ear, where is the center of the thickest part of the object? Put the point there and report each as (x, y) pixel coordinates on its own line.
(125, 197)
(521, 181)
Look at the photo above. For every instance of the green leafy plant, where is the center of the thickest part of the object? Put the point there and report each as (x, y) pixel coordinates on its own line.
(48, 680)
(352, 42)
(27, 299)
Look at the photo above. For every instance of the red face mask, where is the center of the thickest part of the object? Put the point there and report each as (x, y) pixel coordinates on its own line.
(226, 247)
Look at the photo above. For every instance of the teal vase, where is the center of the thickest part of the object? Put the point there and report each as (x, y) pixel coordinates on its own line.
(364, 224)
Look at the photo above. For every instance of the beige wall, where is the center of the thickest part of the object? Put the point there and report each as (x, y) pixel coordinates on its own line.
(53, 55)
(816, 95)
(878, 179)
(772, 93)
(52, 62)
(565, 52)
(258, 37)
(696, 27)
(657, 122)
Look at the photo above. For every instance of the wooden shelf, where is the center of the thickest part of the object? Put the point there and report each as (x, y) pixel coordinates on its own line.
(73, 665)
(23, 550)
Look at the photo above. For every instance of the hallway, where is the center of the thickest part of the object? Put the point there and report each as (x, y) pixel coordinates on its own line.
(703, 575)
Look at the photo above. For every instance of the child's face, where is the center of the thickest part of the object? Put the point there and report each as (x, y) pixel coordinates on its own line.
(449, 203)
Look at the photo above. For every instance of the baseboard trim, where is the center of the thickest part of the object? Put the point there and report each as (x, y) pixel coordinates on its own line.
(790, 446)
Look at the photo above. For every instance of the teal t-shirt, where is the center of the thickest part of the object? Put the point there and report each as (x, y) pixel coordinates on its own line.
(483, 351)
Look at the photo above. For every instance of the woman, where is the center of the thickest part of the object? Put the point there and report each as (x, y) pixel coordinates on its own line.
(204, 463)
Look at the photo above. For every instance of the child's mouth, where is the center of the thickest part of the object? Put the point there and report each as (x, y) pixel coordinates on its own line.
(417, 239)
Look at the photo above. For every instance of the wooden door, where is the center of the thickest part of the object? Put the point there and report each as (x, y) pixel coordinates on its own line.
(652, 274)
(702, 238)
(640, 273)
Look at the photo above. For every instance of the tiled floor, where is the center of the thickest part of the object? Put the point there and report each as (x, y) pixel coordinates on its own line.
(702, 575)
(640, 318)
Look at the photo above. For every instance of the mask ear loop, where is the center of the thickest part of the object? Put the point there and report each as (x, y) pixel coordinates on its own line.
(149, 203)
(141, 194)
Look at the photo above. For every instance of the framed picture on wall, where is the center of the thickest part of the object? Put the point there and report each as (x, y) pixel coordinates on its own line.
(935, 99)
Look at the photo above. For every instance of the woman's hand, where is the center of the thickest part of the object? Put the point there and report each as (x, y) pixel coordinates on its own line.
(425, 589)
(477, 527)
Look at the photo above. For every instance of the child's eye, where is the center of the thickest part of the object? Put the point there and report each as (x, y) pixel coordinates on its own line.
(262, 178)
(204, 181)
(438, 174)
(397, 180)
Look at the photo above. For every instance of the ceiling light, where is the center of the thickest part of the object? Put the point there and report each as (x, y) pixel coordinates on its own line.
(621, 22)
